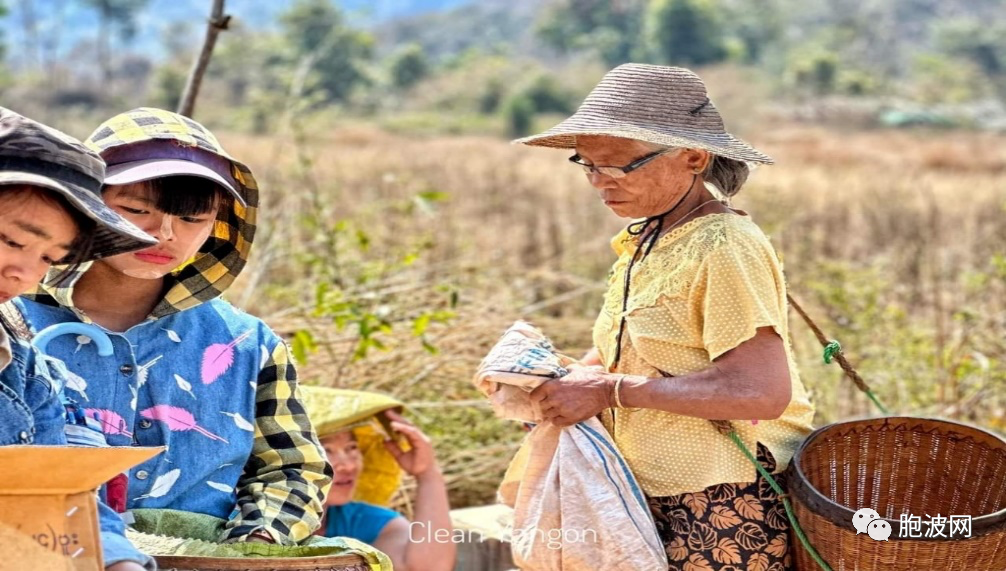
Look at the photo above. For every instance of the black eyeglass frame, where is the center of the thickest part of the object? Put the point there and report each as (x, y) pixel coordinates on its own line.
(634, 165)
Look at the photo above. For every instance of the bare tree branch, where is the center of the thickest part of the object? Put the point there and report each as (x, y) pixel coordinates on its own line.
(218, 23)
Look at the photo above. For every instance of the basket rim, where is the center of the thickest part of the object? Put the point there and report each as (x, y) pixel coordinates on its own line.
(801, 487)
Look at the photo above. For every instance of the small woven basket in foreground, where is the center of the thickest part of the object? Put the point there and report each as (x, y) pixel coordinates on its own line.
(327, 563)
(900, 465)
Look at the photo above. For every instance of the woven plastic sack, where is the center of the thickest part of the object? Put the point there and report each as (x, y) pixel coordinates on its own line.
(521, 360)
(577, 505)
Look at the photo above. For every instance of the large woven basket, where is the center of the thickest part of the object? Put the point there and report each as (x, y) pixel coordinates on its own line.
(912, 466)
(327, 563)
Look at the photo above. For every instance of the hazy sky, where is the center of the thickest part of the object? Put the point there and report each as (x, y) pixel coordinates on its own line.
(76, 23)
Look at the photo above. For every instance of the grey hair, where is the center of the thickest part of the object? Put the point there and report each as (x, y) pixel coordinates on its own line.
(727, 175)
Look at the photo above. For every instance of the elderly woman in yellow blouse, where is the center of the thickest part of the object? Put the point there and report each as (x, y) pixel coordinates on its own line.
(693, 326)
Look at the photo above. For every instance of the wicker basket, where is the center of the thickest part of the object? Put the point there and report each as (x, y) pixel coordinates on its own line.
(327, 563)
(913, 466)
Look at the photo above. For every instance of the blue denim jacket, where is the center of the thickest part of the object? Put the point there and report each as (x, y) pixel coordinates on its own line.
(214, 386)
(31, 413)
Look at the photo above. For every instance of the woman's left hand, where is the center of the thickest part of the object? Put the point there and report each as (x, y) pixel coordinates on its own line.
(581, 394)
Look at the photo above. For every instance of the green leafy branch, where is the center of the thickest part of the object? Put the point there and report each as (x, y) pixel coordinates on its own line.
(369, 294)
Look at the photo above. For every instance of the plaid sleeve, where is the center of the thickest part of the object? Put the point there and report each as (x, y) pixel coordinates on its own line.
(287, 477)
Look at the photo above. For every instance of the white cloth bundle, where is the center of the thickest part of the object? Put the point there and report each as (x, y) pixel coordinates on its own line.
(520, 361)
(576, 504)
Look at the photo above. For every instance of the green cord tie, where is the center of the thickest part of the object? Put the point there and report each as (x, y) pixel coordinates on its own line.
(877, 402)
(785, 500)
(834, 348)
(830, 350)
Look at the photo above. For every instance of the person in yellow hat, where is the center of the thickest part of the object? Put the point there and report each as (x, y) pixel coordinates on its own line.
(354, 429)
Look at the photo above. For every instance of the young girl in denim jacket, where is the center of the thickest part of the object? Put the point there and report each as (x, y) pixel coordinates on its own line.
(190, 371)
(50, 211)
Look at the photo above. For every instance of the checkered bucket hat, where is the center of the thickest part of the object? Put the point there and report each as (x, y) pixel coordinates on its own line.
(129, 140)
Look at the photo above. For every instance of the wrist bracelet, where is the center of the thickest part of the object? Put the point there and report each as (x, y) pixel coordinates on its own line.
(618, 386)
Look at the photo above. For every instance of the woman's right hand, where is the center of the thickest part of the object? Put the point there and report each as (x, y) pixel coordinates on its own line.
(581, 394)
(420, 458)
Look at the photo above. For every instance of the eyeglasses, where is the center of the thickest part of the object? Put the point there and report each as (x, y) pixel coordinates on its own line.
(617, 172)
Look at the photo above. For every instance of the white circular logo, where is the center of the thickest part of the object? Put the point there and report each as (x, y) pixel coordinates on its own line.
(880, 530)
(862, 518)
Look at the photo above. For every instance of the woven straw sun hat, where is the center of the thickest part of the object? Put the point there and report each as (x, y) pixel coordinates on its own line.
(653, 103)
(337, 410)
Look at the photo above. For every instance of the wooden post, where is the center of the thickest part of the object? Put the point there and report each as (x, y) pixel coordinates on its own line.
(218, 23)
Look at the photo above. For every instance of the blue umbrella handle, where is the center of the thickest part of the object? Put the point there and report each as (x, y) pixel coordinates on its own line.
(100, 338)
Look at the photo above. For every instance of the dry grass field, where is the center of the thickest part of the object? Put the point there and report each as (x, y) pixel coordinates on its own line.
(895, 241)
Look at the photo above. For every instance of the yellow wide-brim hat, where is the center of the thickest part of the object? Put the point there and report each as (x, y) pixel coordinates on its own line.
(338, 410)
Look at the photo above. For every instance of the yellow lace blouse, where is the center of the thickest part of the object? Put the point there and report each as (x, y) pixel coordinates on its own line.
(704, 289)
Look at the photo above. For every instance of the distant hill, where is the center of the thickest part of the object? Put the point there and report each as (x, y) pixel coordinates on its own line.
(489, 25)
(935, 51)
(77, 23)
(385, 10)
